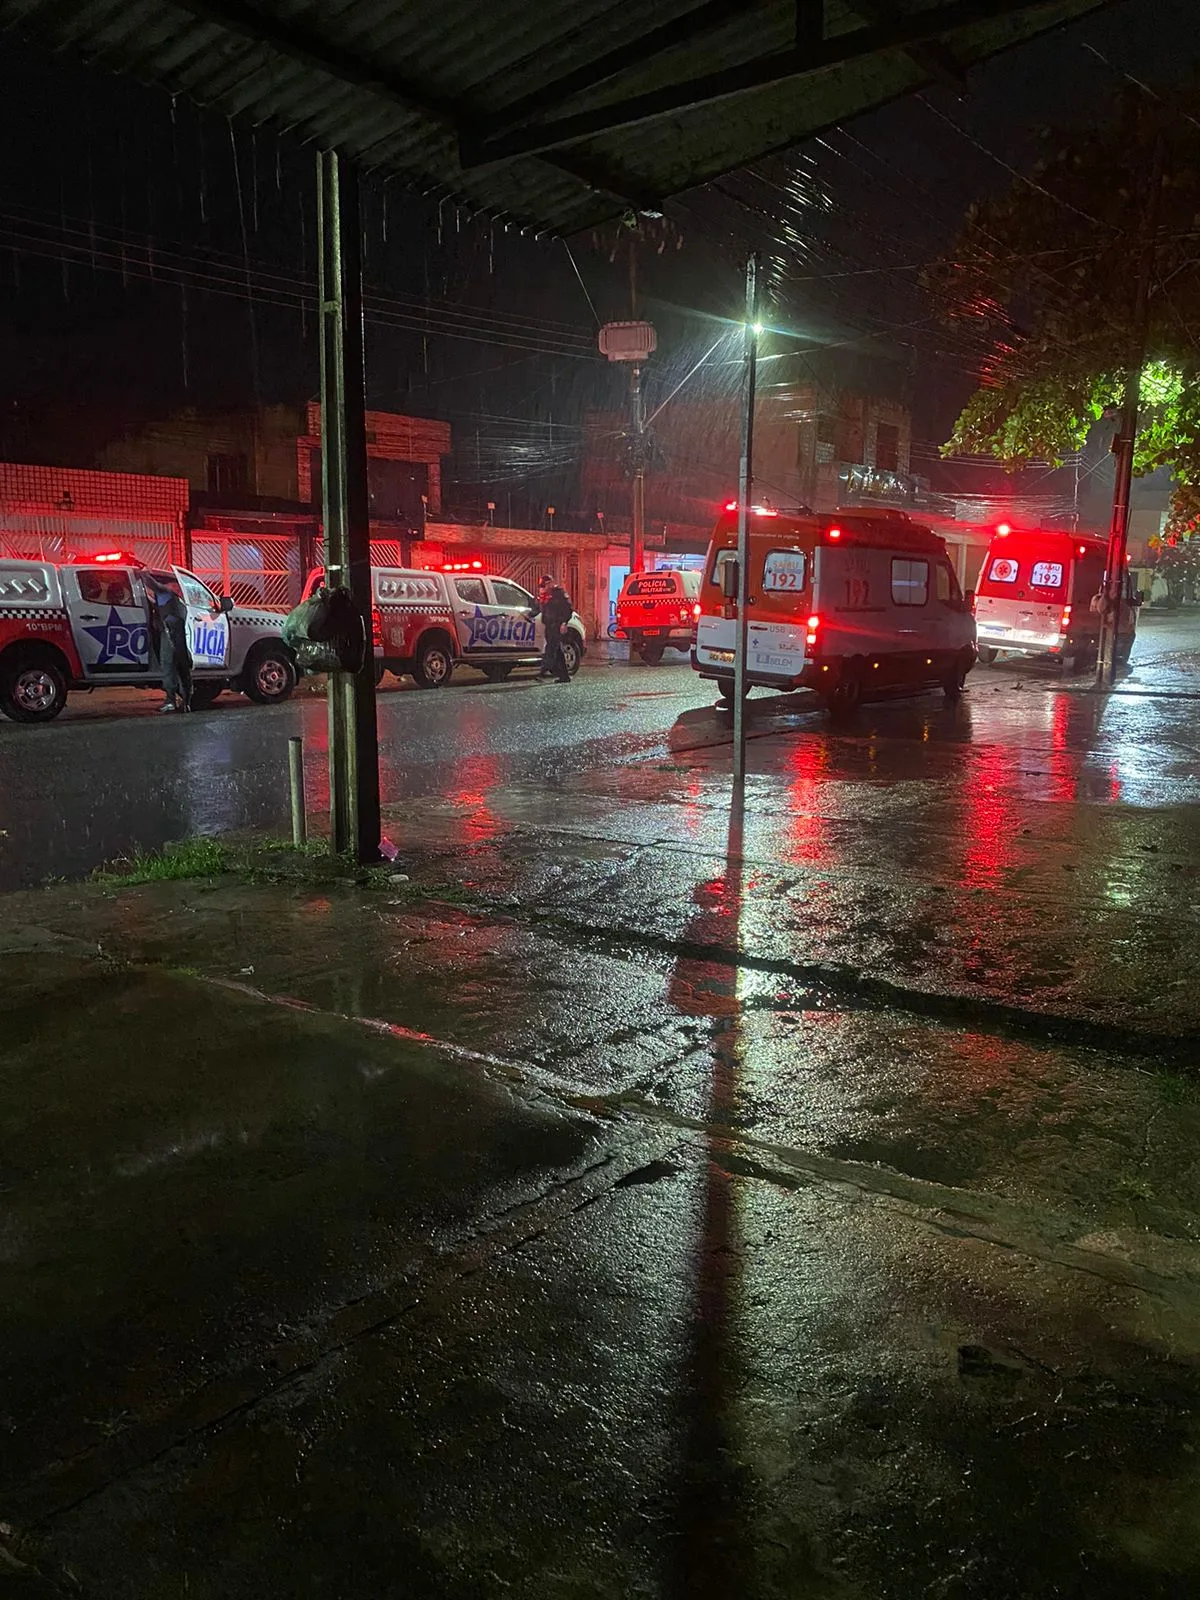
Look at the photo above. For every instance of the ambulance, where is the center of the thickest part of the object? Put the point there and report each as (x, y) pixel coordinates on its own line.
(657, 611)
(81, 623)
(426, 623)
(1035, 597)
(853, 605)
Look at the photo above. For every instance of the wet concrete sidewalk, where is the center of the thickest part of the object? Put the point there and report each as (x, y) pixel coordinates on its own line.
(629, 1204)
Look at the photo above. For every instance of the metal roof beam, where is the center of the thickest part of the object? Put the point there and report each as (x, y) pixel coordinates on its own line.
(897, 33)
(934, 58)
(301, 43)
(683, 30)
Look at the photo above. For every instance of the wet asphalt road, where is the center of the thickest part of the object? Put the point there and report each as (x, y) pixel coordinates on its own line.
(111, 777)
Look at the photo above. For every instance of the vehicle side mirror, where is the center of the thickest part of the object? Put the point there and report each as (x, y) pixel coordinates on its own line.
(226, 603)
(729, 579)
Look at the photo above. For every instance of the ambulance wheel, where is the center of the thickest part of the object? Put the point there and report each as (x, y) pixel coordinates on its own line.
(498, 673)
(269, 675)
(987, 654)
(205, 694)
(846, 696)
(572, 655)
(956, 676)
(651, 654)
(434, 664)
(725, 690)
(33, 688)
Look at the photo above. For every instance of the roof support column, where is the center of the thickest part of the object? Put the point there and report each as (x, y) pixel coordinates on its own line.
(354, 822)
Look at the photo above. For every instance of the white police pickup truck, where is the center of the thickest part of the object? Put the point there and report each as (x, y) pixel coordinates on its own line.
(77, 624)
(426, 623)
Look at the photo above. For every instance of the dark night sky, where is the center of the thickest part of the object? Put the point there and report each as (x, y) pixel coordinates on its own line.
(120, 213)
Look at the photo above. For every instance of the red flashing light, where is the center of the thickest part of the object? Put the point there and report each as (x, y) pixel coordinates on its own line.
(106, 556)
(835, 533)
(731, 505)
(813, 622)
(756, 511)
(1082, 549)
(696, 609)
(462, 566)
(1002, 530)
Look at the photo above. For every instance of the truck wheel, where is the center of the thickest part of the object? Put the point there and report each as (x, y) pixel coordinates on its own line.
(434, 663)
(572, 653)
(987, 654)
(32, 689)
(652, 653)
(497, 673)
(269, 676)
(205, 693)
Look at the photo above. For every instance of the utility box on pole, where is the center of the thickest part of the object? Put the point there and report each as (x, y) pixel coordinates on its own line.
(633, 342)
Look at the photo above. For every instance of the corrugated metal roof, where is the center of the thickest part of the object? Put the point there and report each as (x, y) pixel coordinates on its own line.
(556, 114)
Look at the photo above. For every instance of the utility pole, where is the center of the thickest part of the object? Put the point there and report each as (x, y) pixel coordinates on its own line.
(745, 496)
(1118, 532)
(633, 342)
(354, 823)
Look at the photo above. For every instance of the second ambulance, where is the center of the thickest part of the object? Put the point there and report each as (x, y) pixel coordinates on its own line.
(852, 605)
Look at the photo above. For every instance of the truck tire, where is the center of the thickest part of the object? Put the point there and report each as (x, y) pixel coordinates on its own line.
(652, 653)
(434, 663)
(572, 652)
(33, 686)
(205, 693)
(987, 654)
(269, 675)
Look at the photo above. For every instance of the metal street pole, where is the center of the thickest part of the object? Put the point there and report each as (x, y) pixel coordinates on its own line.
(353, 737)
(745, 496)
(637, 527)
(1118, 532)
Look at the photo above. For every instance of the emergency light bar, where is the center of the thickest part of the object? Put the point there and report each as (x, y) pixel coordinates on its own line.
(462, 566)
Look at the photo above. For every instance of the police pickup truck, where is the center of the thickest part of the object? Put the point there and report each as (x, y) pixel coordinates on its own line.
(79, 623)
(426, 623)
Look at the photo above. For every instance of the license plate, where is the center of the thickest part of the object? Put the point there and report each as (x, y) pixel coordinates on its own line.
(651, 633)
(721, 656)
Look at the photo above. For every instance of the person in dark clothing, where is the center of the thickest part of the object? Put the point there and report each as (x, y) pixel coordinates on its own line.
(555, 609)
(168, 628)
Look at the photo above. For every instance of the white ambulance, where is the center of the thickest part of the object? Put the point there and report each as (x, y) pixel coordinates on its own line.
(426, 623)
(81, 623)
(853, 604)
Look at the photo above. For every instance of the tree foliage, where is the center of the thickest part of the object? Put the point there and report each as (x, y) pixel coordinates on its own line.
(1045, 280)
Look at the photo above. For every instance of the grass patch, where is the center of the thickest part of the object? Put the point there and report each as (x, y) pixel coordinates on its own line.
(191, 858)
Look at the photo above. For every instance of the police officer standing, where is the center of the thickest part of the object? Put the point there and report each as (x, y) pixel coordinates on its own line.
(555, 608)
(168, 626)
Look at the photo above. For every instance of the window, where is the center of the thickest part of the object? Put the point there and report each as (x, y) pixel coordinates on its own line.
(887, 447)
(1003, 570)
(511, 594)
(784, 571)
(471, 590)
(720, 562)
(101, 586)
(667, 583)
(947, 585)
(1047, 575)
(910, 582)
(197, 594)
(228, 474)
